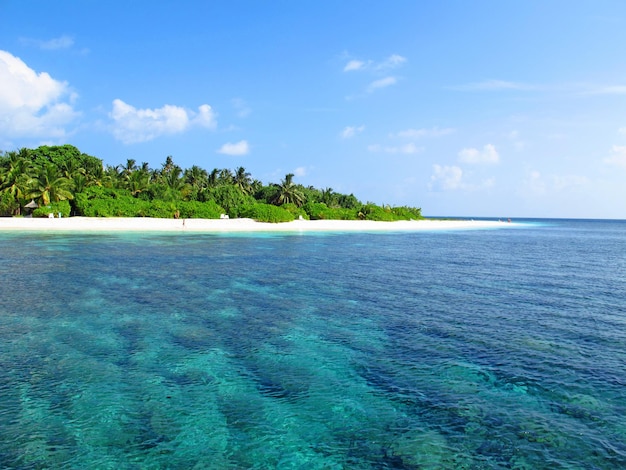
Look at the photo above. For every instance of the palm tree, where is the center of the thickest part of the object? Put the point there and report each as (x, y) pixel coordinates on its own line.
(225, 176)
(79, 182)
(255, 186)
(137, 182)
(131, 165)
(242, 180)
(70, 167)
(328, 197)
(14, 178)
(196, 177)
(112, 177)
(173, 178)
(155, 175)
(95, 175)
(94, 171)
(49, 185)
(289, 192)
(213, 177)
(168, 165)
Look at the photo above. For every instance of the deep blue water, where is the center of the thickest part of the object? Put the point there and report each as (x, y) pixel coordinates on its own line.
(477, 349)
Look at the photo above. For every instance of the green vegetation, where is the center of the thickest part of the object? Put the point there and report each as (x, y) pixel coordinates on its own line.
(62, 180)
(54, 208)
(266, 213)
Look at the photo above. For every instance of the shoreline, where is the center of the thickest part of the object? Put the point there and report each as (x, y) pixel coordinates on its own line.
(145, 224)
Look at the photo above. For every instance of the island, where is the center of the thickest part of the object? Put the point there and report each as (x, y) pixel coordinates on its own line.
(61, 181)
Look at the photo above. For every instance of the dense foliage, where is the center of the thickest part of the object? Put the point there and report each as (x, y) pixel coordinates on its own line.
(62, 180)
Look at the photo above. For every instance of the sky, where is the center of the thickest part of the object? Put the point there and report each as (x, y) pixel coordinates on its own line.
(475, 109)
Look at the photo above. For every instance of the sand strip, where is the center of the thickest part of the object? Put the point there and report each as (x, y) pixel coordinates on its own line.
(139, 224)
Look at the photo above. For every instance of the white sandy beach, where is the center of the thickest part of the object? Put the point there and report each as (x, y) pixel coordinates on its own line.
(113, 224)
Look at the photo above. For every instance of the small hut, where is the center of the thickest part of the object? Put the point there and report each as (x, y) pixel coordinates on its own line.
(31, 206)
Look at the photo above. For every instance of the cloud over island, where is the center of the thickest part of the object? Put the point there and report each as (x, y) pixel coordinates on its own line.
(235, 149)
(33, 103)
(132, 125)
(377, 69)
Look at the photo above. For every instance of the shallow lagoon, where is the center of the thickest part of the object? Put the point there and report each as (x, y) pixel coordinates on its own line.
(479, 349)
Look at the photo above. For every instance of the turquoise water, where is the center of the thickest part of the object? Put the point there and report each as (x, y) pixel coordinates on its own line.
(463, 350)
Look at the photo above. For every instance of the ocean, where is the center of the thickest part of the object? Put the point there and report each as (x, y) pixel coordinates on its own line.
(470, 349)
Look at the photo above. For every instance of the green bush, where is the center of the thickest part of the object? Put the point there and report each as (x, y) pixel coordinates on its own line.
(94, 208)
(55, 208)
(266, 194)
(106, 202)
(162, 192)
(199, 210)
(348, 201)
(262, 212)
(295, 210)
(407, 213)
(314, 209)
(320, 211)
(373, 212)
(8, 204)
(231, 198)
(160, 210)
(340, 213)
(124, 206)
(100, 192)
(97, 201)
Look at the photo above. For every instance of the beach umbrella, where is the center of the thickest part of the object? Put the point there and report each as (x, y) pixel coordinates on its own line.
(32, 205)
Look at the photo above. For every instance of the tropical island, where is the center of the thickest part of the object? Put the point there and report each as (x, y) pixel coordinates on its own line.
(61, 181)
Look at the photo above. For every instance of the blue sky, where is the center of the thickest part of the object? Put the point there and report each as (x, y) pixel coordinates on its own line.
(482, 108)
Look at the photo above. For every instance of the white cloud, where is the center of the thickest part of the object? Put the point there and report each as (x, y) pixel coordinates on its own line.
(406, 149)
(419, 133)
(495, 85)
(391, 62)
(514, 136)
(409, 148)
(300, 171)
(561, 182)
(376, 69)
(132, 125)
(622, 130)
(452, 178)
(204, 118)
(62, 42)
(354, 65)
(236, 149)
(446, 178)
(568, 88)
(351, 131)
(610, 90)
(32, 104)
(381, 83)
(617, 157)
(241, 107)
(534, 184)
(488, 155)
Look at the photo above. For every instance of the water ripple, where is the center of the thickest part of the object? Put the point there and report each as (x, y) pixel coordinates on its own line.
(496, 349)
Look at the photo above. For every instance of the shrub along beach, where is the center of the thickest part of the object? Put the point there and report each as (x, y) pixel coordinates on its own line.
(62, 181)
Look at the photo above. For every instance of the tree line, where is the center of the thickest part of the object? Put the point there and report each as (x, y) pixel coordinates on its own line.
(63, 180)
